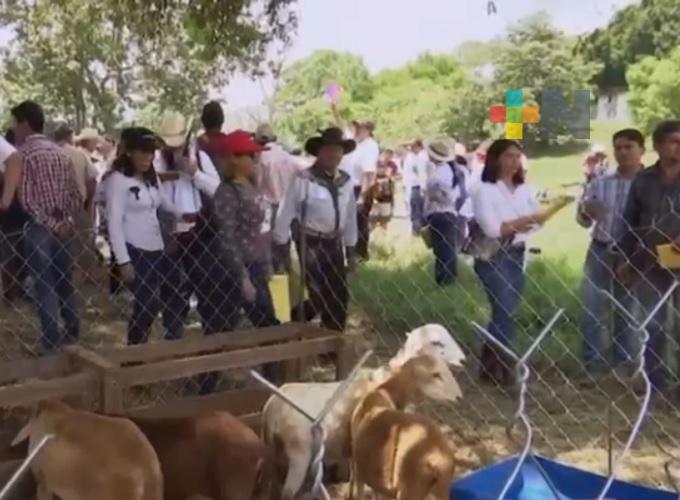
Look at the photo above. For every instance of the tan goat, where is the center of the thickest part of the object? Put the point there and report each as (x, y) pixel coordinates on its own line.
(91, 456)
(289, 433)
(399, 454)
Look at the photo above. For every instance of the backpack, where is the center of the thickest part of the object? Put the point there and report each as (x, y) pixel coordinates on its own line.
(459, 180)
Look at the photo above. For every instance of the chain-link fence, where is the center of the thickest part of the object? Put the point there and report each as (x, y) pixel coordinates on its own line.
(578, 414)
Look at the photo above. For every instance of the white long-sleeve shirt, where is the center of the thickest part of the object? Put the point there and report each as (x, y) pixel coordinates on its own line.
(185, 192)
(320, 214)
(495, 203)
(276, 171)
(132, 215)
(441, 196)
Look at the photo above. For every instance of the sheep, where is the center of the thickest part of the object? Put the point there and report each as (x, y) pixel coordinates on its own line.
(398, 454)
(214, 456)
(289, 433)
(90, 456)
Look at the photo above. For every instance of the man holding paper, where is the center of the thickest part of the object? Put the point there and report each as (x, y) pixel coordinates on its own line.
(602, 209)
(652, 220)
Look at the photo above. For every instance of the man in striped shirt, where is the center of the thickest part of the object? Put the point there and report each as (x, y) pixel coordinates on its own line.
(602, 209)
(49, 193)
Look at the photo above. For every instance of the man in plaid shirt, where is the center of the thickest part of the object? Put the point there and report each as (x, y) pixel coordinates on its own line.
(48, 191)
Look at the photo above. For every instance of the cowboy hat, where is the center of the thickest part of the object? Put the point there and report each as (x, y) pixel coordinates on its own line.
(264, 133)
(88, 134)
(332, 135)
(173, 129)
(441, 150)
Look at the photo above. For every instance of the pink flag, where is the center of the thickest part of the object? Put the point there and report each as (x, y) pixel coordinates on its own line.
(333, 91)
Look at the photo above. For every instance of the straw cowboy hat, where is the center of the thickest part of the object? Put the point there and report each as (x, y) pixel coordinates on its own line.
(442, 150)
(265, 133)
(173, 129)
(332, 135)
(88, 134)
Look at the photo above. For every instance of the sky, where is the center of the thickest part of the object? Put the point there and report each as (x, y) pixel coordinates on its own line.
(388, 33)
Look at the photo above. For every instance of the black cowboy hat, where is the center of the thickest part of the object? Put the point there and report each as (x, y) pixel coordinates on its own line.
(332, 135)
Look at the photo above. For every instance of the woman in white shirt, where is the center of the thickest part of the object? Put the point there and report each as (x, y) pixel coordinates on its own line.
(132, 203)
(506, 210)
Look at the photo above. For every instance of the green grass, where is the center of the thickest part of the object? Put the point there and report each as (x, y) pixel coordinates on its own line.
(395, 291)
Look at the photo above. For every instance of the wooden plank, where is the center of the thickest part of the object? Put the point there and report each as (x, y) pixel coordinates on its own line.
(227, 340)
(240, 402)
(85, 358)
(43, 367)
(33, 391)
(187, 367)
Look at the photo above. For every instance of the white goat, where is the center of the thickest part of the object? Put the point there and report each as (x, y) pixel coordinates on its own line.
(289, 433)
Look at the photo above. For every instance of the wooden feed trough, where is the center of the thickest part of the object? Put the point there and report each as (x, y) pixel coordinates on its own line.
(98, 379)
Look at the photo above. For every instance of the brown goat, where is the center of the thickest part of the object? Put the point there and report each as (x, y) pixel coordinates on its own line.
(398, 454)
(215, 456)
(91, 456)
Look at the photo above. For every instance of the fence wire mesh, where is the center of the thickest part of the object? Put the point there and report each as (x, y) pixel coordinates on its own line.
(76, 294)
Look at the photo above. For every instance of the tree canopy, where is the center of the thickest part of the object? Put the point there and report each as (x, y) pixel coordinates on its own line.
(654, 89)
(651, 28)
(90, 61)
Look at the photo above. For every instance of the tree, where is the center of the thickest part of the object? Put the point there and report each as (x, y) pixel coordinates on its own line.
(539, 57)
(467, 117)
(92, 62)
(300, 98)
(649, 28)
(654, 89)
(412, 101)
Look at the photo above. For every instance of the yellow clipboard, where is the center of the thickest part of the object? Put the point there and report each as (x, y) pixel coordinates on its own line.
(667, 258)
(556, 205)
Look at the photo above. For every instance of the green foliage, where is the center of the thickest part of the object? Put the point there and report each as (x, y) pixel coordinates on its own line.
(92, 62)
(649, 28)
(535, 39)
(405, 103)
(654, 89)
(300, 98)
(468, 114)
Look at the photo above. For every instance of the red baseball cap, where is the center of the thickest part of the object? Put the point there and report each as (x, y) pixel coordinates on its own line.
(238, 142)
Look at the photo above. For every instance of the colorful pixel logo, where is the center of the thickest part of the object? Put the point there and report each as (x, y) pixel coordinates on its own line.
(514, 114)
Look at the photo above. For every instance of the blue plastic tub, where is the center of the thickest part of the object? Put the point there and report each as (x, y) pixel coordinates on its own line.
(572, 484)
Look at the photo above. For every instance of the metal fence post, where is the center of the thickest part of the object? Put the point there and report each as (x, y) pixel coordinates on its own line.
(641, 328)
(317, 430)
(523, 372)
(22, 468)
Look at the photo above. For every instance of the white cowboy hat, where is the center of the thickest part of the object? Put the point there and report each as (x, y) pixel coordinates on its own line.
(88, 134)
(173, 129)
(441, 150)
(597, 148)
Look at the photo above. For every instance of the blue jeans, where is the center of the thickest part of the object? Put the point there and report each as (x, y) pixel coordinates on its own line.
(599, 274)
(503, 280)
(196, 266)
(443, 230)
(51, 263)
(145, 290)
(648, 290)
(417, 210)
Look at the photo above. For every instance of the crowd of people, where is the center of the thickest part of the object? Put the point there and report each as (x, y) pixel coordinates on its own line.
(212, 216)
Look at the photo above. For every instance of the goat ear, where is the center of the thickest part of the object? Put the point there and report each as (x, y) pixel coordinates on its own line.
(23, 434)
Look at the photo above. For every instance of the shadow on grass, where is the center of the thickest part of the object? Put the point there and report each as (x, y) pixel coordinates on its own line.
(397, 298)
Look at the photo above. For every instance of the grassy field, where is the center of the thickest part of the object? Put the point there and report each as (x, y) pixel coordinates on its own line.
(395, 291)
